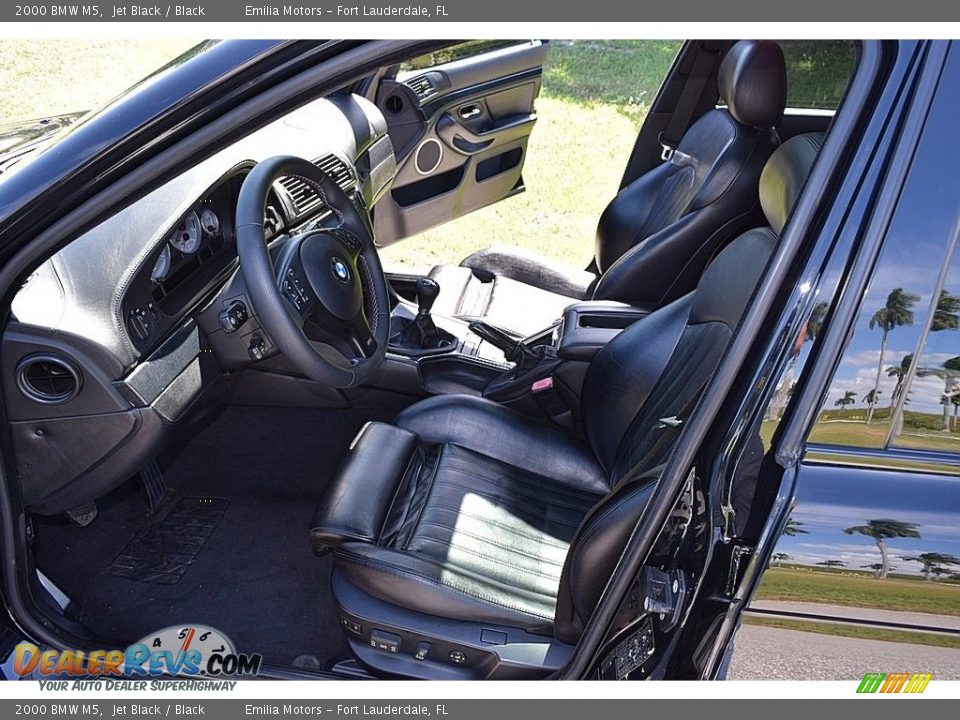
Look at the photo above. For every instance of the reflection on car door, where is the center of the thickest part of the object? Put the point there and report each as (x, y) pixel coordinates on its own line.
(460, 129)
(865, 576)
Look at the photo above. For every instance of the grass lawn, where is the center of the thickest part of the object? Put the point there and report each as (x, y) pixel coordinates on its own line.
(859, 434)
(857, 631)
(595, 95)
(835, 588)
(49, 77)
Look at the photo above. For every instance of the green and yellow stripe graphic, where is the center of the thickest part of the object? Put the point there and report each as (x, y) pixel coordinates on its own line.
(894, 682)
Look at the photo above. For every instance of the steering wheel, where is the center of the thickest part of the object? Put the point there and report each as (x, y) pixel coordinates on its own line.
(327, 279)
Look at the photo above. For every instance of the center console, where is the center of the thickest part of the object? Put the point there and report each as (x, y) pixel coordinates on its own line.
(539, 375)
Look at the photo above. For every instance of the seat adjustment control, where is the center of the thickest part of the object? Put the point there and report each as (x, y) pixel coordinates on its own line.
(257, 349)
(351, 625)
(234, 316)
(423, 648)
(382, 640)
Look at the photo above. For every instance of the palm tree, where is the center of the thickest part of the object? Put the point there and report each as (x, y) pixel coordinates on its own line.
(849, 398)
(900, 373)
(932, 561)
(947, 314)
(794, 527)
(949, 372)
(832, 563)
(955, 401)
(779, 557)
(881, 530)
(877, 567)
(939, 571)
(872, 397)
(896, 312)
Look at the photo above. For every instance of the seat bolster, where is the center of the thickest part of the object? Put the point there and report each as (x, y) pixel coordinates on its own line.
(356, 501)
(417, 582)
(530, 269)
(490, 429)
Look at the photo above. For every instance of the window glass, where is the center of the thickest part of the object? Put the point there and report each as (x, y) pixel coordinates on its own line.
(818, 72)
(909, 311)
(454, 52)
(930, 387)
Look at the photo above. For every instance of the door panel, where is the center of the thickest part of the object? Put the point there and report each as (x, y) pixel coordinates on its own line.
(460, 130)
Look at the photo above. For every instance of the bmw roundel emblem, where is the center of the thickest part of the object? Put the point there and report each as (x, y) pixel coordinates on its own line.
(340, 270)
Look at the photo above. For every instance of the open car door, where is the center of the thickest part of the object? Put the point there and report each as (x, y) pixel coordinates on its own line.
(459, 120)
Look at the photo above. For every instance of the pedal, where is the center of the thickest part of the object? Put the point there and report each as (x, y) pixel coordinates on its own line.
(154, 485)
(82, 515)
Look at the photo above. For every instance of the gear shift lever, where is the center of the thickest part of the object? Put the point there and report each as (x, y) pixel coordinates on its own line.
(427, 291)
(421, 332)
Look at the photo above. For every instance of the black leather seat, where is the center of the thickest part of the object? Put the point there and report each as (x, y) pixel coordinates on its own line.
(465, 525)
(657, 235)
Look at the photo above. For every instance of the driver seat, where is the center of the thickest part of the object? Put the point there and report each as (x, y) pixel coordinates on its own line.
(471, 541)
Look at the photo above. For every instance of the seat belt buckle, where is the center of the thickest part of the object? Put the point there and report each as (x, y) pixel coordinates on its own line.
(667, 147)
(550, 401)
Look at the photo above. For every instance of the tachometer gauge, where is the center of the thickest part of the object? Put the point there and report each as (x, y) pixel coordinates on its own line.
(162, 266)
(210, 222)
(186, 238)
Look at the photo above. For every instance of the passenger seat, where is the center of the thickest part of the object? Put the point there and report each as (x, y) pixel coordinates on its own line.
(658, 234)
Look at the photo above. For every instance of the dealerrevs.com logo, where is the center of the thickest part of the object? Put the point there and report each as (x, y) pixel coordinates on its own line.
(192, 650)
(890, 683)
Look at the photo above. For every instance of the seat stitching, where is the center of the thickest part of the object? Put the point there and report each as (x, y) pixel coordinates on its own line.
(503, 526)
(400, 572)
(530, 495)
(524, 476)
(432, 479)
(519, 511)
(484, 556)
(492, 542)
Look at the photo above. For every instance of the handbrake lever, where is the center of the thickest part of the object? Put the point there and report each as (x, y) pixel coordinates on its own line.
(514, 349)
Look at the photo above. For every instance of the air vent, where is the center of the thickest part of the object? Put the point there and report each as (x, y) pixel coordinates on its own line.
(48, 379)
(422, 86)
(304, 199)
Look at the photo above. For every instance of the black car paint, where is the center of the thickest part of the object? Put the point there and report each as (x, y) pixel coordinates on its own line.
(837, 490)
(89, 152)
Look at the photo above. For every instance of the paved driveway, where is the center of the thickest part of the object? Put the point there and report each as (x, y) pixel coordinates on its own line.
(763, 653)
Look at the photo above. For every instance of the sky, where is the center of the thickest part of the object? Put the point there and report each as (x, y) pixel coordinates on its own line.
(916, 249)
(830, 500)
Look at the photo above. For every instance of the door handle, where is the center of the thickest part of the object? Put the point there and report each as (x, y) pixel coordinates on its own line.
(468, 112)
(467, 142)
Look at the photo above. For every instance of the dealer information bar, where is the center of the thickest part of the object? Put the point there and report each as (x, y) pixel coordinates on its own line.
(503, 10)
(228, 709)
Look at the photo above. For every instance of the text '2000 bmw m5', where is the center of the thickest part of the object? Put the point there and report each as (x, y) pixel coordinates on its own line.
(242, 415)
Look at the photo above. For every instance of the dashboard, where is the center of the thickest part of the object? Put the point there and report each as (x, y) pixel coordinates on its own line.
(115, 340)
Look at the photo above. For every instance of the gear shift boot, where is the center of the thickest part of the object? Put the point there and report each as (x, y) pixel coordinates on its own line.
(421, 334)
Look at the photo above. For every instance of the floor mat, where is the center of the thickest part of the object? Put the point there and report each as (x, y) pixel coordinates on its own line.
(161, 551)
(254, 576)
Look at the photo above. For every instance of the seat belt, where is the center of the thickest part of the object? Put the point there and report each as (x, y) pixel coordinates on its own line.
(682, 116)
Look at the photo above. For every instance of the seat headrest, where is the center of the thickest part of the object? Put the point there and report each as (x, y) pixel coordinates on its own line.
(752, 80)
(729, 281)
(784, 175)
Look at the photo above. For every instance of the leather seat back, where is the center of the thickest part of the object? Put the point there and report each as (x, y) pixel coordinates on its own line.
(632, 423)
(658, 234)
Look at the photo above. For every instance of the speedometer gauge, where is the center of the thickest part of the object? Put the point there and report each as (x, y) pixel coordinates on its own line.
(210, 222)
(162, 266)
(186, 238)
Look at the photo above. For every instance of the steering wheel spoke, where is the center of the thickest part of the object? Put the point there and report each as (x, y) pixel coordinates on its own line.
(316, 281)
(360, 336)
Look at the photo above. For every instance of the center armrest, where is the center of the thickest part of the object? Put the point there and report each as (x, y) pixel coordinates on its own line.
(588, 326)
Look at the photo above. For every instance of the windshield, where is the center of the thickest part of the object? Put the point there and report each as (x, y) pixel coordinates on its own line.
(43, 78)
